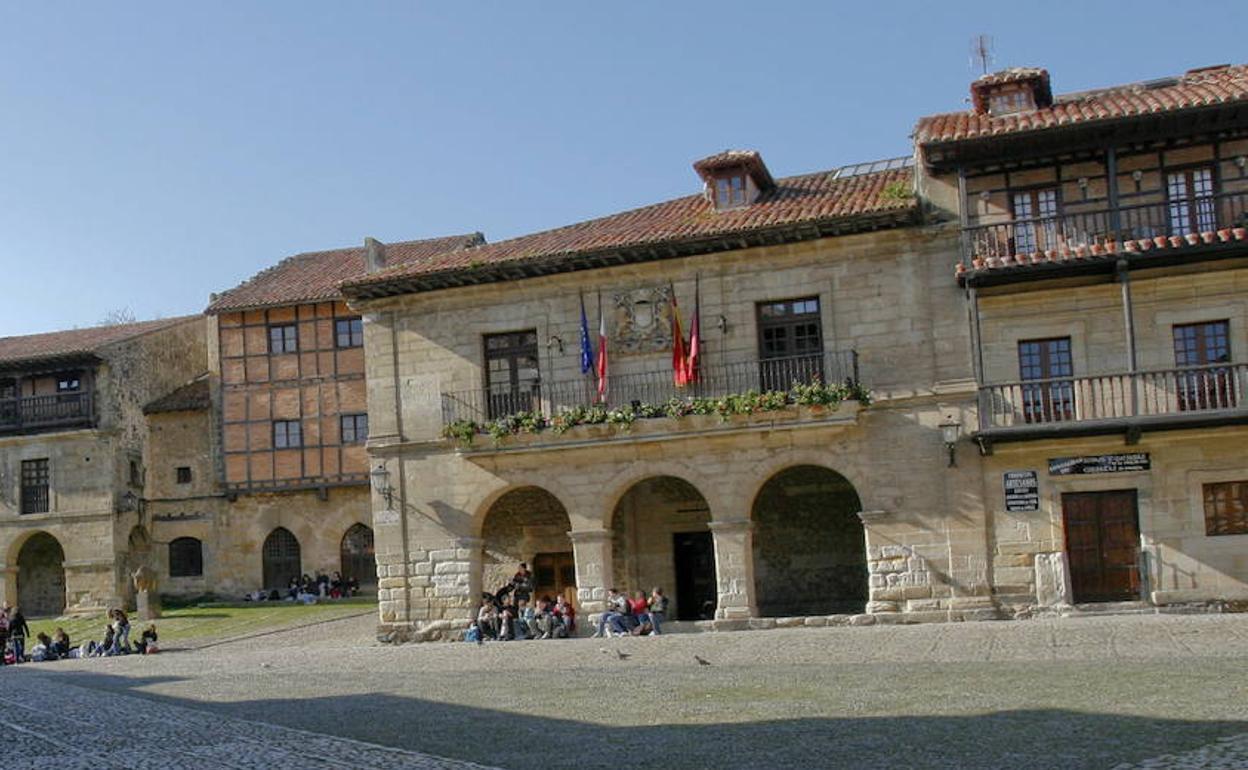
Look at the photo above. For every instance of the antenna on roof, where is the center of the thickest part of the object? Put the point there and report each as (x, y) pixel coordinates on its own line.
(981, 53)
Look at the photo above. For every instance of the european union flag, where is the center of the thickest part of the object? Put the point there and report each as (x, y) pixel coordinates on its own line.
(587, 348)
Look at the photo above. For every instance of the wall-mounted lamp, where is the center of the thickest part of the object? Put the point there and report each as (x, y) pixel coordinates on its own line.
(985, 196)
(379, 477)
(1137, 175)
(555, 340)
(950, 429)
(129, 502)
(1241, 161)
(1083, 182)
(721, 323)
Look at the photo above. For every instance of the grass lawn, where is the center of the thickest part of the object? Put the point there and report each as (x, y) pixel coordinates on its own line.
(190, 626)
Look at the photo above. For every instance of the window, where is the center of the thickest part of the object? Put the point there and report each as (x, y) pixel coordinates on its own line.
(1226, 508)
(349, 332)
(8, 389)
(1197, 347)
(512, 377)
(729, 192)
(35, 496)
(1007, 102)
(186, 557)
(183, 473)
(1190, 195)
(353, 428)
(1035, 217)
(1049, 361)
(790, 343)
(70, 381)
(136, 474)
(283, 339)
(287, 434)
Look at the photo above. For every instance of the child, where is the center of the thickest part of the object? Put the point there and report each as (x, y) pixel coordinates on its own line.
(147, 642)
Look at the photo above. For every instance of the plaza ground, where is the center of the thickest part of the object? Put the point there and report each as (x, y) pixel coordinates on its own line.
(1078, 692)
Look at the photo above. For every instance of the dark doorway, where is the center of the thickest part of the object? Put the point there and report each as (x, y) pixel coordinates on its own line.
(357, 556)
(696, 593)
(554, 574)
(1103, 545)
(41, 576)
(282, 561)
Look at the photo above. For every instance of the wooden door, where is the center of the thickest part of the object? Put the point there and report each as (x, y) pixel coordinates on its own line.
(1102, 545)
(696, 591)
(554, 574)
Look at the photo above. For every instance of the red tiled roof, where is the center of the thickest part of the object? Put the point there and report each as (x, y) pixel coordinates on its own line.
(33, 347)
(811, 198)
(314, 276)
(1198, 88)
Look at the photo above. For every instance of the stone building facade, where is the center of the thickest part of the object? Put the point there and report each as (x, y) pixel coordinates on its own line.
(1023, 447)
(73, 449)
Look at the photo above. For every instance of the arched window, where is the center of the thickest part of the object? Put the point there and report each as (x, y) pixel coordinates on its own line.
(186, 557)
(357, 555)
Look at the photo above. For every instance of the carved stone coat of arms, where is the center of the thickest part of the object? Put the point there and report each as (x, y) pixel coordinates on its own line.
(642, 319)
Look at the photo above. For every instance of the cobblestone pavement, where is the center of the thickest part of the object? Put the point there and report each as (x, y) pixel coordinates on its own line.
(1227, 754)
(47, 723)
(1086, 692)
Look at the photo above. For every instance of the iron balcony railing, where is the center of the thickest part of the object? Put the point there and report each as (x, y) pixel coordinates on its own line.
(1184, 390)
(33, 412)
(1195, 220)
(651, 387)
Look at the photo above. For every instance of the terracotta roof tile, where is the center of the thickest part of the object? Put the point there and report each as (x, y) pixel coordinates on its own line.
(314, 276)
(1197, 88)
(33, 347)
(811, 198)
(191, 397)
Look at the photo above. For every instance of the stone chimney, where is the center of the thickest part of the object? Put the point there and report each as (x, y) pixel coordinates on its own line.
(374, 255)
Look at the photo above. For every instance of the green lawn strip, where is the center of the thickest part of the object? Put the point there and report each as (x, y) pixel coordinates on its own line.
(191, 624)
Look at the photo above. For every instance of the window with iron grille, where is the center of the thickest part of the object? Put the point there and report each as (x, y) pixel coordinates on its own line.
(512, 375)
(284, 338)
(35, 497)
(287, 434)
(183, 474)
(186, 557)
(1226, 508)
(1049, 360)
(349, 332)
(353, 428)
(1197, 347)
(790, 343)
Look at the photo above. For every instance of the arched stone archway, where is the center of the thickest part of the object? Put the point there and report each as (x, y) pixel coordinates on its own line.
(41, 576)
(282, 559)
(358, 561)
(661, 538)
(810, 555)
(528, 525)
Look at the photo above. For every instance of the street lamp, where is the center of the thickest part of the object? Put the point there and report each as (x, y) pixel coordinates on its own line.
(380, 478)
(950, 429)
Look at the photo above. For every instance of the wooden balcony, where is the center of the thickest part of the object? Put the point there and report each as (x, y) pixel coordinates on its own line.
(1093, 240)
(1130, 403)
(42, 413)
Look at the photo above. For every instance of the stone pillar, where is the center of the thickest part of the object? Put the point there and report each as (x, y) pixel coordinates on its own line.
(591, 548)
(8, 586)
(734, 568)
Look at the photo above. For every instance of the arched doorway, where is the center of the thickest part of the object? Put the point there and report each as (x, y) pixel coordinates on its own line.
(528, 525)
(282, 560)
(660, 538)
(41, 576)
(810, 554)
(357, 556)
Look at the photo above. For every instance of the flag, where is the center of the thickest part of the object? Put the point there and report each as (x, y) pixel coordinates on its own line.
(602, 353)
(679, 372)
(587, 347)
(694, 359)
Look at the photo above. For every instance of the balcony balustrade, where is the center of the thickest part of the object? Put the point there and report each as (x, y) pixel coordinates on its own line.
(1207, 392)
(656, 388)
(32, 413)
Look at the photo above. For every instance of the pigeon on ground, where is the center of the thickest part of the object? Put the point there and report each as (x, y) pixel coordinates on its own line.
(622, 655)
(701, 661)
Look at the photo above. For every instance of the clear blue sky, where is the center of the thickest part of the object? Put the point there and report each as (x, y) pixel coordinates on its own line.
(153, 152)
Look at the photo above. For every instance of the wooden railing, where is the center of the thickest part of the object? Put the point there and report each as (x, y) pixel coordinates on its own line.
(651, 387)
(1096, 232)
(32, 412)
(1185, 390)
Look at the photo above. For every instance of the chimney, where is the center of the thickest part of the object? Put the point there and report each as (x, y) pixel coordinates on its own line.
(374, 255)
(1017, 89)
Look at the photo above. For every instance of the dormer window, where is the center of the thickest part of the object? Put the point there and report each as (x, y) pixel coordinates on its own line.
(734, 178)
(1009, 102)
(1019, 89)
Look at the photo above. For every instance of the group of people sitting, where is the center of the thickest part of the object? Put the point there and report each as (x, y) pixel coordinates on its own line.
(511, 613)
(638, 615)
(116, 640)
(309, 590)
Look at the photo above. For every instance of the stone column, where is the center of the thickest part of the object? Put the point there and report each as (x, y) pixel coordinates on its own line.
(591, 548)
(8, 585)
(734, 568)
